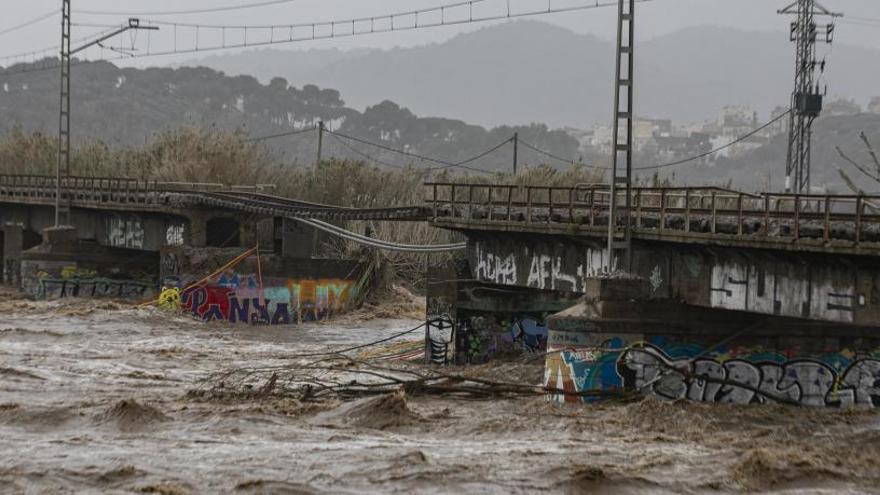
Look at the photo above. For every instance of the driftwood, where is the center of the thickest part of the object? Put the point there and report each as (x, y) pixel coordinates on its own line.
(342, 377)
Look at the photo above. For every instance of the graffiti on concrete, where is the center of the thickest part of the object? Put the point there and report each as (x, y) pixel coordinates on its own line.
(741, 381)
(728, 375)
(239, 299)
(483, 338)
(169, 299)
(823, 293)
(60, 280)
(438, 337)
(537, 270)
(174, 235)
(56, 288)
(125, 231)
(529, 333)
(721, 279)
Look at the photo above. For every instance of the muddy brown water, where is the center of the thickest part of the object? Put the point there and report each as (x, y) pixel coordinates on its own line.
(93, 399)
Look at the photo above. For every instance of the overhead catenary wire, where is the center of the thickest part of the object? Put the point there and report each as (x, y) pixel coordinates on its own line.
(383, 23)
(28, 23)
(441, 15)
(718, 149)
(206, 10)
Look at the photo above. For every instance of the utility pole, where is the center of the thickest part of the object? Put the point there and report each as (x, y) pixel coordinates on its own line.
(806, 98)
(620, 237)
(62, 212)
(320, 143)
(515, 152)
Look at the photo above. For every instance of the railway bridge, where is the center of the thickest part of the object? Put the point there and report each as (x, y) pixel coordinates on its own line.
(132, 238)
(731, 296)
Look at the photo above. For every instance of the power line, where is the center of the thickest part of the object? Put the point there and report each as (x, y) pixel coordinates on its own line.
(206, 10)
(53, 50)
(243, 36)
(670, 164)
(858, 18)
(555, 157)
(342, 22)
(720, 148)
(280, 135)
(364, 155)
(255, 36)
(31, 22)
(445, 163)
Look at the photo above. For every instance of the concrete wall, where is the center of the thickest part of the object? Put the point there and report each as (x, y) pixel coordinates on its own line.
(273, 290)
(844, 289)
(813, 371)
(147, 232)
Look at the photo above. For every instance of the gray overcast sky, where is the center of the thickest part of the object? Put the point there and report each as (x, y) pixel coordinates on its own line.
(655, 18)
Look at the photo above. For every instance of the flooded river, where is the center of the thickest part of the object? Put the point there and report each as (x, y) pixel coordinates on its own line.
(94, 399)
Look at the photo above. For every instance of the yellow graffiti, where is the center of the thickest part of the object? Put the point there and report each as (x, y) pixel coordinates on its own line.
(169, 299)
(72, 272)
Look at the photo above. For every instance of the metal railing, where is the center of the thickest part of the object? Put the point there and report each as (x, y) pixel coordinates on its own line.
(666, 210)
(106, 190)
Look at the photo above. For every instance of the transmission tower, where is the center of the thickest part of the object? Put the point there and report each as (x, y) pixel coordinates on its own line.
(806, 99)
(620, 236)
(62, 210)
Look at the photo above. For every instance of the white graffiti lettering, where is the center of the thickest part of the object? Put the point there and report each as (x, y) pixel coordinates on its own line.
(807, 382)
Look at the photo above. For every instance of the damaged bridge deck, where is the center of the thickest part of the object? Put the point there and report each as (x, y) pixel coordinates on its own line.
(165, 197)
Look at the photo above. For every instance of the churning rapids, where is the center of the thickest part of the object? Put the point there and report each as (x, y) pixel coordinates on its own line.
(94, 398)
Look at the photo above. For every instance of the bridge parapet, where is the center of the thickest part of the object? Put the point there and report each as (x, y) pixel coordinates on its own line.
(845, 223)
(105, 190)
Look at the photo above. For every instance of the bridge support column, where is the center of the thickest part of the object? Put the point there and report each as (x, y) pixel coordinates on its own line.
(59, 237)
(198, 231)
(13, 244)
(297, 240)
(248, 232)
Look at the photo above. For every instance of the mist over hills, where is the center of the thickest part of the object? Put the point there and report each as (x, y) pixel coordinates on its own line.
(530, 71)
(126, 107)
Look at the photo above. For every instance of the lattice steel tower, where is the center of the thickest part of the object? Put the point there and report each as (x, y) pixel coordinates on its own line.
(806, 99)
(620, 233)
(62, 209)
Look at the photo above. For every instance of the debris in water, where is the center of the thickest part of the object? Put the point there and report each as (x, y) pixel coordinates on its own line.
(129, 415)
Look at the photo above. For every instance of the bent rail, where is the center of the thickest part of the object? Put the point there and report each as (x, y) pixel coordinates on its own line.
(140, 195)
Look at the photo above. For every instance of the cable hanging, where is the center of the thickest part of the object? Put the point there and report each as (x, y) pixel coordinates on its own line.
(445, 163)
(206, 10)
(223, 37)
(720, 148)
(280, 135)
(364, 155)
(556, 157)
(377, 243)
(31, 22)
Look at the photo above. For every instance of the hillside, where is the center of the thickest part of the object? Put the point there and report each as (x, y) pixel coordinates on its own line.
(529, 71)
(128, 106)
(766, 165)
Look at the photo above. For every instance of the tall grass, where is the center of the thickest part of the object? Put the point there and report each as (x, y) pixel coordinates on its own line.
(198, 155)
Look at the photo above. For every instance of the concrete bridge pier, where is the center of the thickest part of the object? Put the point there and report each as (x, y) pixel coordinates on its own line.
(13, 246)
(298, 241)
(618, 339)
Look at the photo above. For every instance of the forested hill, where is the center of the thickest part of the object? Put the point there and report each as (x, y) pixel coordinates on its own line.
(128, 106)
